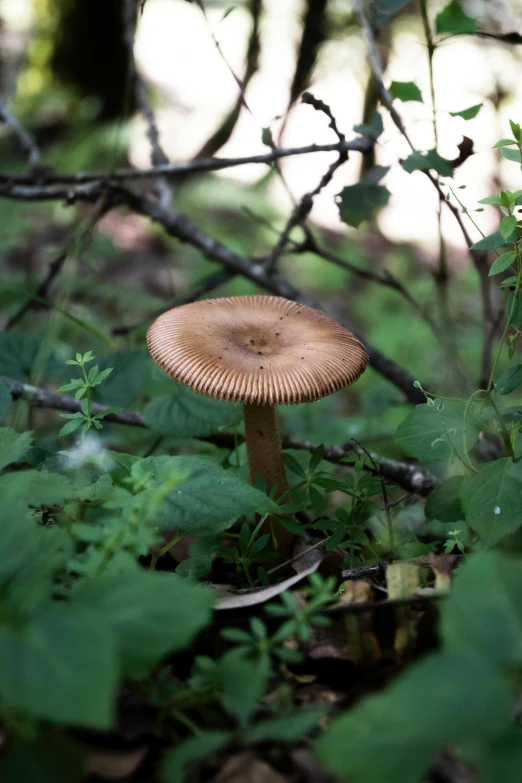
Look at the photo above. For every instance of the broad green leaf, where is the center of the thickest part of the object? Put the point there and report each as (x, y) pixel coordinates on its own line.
(207, 497)
(419, 161)
(13, 446)
(502, 263)
(467, 114)
(507, 226)
(496, 201)
(195, 568)
(446, 699)
(426, 433)
(491, 242)
(20, 353)
(405, 91)
(513, 155)
(177, 761)
(372, 129)
(509, 380)
(453, 20)
(126, 381)
(492, 501)
(60, 666)
(47, 758)
(514, 309)
(39, 488)
(5, 401)
(444, 502)
(242, 682)
(499, 759)
(361, 202)
(286, 728)
(152, 614)
(186, 414)
(483, 612)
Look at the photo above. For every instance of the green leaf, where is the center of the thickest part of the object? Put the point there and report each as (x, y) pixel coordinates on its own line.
(467, 114)
(483, 611)
(393, 737)
(514, 309)
(513, 155)
(126, 380)
(503, 143)
(453, 20)
(499, 759)
(423, 434)
(187, 414)
(372, 129)
(496, 201)
(405, 91)
(293, 465)
(444, 502)
(286, 728)
(5, 401)
(361, 202)
(509, 380)
(242, 683)
(21, 352)
(13, 446)
(177, 761)
(419, 161)
(492, 501)
(507, 226)
(207, 498)
(47, 758)
(491, 242)
(151, 613)
(60, 666)
(71, 426)
(503, 262)
(39, 488)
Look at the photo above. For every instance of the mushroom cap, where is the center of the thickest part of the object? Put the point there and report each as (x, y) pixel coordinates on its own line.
(261, 350)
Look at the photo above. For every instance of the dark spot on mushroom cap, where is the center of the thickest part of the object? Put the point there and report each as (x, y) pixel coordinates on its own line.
(261, 433)
(261, 367)
(260, 353)
(251, 342)
(281, 318)
(277, 334)
(302, 357)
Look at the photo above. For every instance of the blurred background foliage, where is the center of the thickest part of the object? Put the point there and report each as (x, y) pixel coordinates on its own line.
(65, 73)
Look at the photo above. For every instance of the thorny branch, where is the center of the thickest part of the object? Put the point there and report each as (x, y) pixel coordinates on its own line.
(411, 477)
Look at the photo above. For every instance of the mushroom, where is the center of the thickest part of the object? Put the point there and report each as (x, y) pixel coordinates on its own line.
(261, 351)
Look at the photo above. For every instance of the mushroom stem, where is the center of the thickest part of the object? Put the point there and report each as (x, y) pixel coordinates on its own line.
(264, 449)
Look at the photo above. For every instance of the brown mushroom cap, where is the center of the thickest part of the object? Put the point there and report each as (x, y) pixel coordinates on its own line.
(262, 350)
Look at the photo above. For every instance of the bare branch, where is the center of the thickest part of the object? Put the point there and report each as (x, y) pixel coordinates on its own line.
(26, 140)
(181, 170)
(411, 477)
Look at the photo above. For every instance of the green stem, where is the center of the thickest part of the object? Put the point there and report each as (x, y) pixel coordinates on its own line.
(508, 322)
(506, 436)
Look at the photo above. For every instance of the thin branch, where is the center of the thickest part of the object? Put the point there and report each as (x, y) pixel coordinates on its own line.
(207, 285)
(26, 140)
(158, 156)
(412, 478)
(180, 170)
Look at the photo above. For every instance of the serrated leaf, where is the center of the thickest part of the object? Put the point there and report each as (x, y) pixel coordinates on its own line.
(467, 114)
(187, 414)
(21, 352)
(151, 614)
(492, 501)
(405, 91)
(207, 498)
(444, 502)
(124, 384)
(419, 161)
(483, 611)
(60, 666)
(423, 434)
(361, 202)
(467, 700)
(13, 446)
(502, 263)
(453, 20)
(491, 242)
